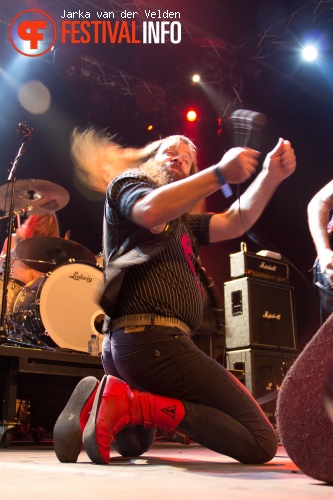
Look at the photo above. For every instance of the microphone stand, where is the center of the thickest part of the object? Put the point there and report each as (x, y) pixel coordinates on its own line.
(25, 131)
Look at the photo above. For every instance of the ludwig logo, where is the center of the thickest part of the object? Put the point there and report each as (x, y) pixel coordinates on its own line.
(32, 33)
(77, 277)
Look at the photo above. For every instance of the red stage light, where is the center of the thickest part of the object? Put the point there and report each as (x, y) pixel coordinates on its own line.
(191, 115)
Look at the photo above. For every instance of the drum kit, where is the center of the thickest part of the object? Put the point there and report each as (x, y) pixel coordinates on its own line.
(59, 309)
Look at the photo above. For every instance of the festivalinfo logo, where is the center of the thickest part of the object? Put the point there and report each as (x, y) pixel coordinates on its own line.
(33, 32)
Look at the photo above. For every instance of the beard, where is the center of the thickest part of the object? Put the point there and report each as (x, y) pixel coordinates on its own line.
(162, 174)
(173, 173)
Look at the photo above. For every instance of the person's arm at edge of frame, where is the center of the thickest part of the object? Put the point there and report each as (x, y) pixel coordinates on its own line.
(318, 217)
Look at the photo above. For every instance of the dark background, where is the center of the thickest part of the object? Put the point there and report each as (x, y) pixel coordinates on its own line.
(295, 97)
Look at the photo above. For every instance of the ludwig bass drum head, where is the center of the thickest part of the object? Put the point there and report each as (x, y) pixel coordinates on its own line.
(68, 304)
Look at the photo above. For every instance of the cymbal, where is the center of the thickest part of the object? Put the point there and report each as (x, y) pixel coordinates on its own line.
(38, 196)
(44, 253)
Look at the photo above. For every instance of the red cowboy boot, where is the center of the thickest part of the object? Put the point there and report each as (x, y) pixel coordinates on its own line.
(117, 405)
(68, 429)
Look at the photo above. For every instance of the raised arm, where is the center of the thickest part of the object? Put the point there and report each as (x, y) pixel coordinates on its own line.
(279, 164)
(173, 200)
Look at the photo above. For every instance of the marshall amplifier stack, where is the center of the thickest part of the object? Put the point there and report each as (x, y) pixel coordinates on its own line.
(258, 266)
(260, 323)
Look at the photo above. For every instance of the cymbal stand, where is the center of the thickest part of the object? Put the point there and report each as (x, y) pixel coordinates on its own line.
(25, 131)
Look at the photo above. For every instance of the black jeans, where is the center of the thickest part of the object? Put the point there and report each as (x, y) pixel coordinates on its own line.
(220, 413)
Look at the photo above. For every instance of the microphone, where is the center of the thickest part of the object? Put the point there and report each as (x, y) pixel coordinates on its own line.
(25, 130)
(244, 122)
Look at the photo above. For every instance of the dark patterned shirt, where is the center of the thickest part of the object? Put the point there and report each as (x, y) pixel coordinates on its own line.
(168, 284)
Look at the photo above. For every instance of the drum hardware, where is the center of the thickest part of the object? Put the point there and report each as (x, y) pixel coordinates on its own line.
(42, 197)
(45, 253)
(18, 336)
(25, 131)
(5, 426)
(35, 340)
(20, 213)
(100, 260)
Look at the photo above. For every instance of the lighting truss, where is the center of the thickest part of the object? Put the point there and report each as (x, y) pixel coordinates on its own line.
(219, 59)
(262, 45)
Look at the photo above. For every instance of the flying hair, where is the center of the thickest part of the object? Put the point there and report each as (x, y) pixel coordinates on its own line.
(98, 158)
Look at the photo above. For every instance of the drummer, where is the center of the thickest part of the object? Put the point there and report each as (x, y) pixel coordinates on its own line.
(35, 226)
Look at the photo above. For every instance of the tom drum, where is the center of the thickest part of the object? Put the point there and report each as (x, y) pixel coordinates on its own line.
(13, 289)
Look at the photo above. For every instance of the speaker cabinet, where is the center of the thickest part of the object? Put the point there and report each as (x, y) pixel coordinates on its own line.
(259, 313)
(264, 370)
(263, 374)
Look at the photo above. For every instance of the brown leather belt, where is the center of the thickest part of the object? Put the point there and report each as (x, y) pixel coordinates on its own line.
(149, 319)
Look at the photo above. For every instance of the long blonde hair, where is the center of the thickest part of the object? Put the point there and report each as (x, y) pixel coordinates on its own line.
(39, 225)
(98, 158)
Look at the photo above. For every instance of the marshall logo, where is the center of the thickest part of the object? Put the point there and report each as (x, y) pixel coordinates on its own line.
(271, 386)
(269, 315)
(76, 276)
(263, 265)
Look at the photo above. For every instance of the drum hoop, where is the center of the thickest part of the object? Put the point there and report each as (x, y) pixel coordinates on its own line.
(20, 283)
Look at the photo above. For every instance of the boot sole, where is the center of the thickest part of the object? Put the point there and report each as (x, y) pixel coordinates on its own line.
(67, 433)
(89, 434)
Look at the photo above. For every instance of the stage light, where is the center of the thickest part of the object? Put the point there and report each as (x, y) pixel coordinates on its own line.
(219, 127)
(196, 78)
(34, 97)
(191, 115)
(150, 127)
(309, 53)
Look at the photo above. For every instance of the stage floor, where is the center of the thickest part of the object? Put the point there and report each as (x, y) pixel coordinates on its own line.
(167, 471)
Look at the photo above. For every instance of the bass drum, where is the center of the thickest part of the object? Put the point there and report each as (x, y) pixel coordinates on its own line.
(13, 289)
(61, 307)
